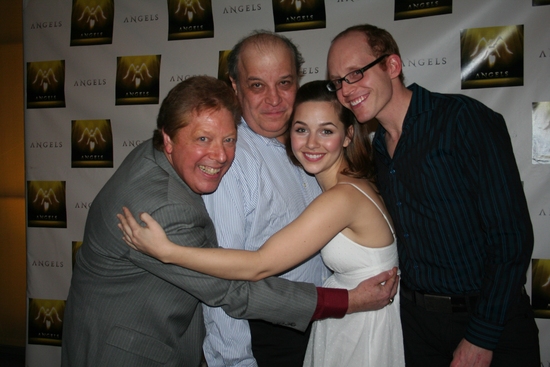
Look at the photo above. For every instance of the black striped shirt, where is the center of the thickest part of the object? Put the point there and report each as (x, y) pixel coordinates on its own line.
(454, 192)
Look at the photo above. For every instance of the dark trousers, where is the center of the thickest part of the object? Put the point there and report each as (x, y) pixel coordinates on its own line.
(430, 337)
(278, 346)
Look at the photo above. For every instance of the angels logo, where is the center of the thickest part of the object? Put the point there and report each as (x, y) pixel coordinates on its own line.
(92, 143)
(91, 138)
(46, 316)
(92, 22)
(91, 15)
(492, 57)
(489, 50)
(44, 79)
(409, 9)
(137, 80)
(296, 3)
(45, 198)
(137, 73)
(45, 321)
(293, 15)
(46, 84)
(189, 8)
(46, 204)
(190, 19)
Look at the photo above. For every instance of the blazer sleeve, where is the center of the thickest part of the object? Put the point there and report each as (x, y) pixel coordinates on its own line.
(273, 299)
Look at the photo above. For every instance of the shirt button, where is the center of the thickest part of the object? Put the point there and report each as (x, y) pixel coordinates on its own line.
(392, 171)
(406, 235)
(398, 203)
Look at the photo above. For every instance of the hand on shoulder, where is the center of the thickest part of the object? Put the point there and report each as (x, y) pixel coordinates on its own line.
(149, 239)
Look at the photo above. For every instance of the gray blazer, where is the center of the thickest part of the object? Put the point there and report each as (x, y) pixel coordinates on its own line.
(127, 309)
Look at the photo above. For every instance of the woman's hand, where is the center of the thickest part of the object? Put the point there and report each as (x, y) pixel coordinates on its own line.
(149, 239)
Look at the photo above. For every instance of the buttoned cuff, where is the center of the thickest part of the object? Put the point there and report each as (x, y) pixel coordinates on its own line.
(483, 334)
(331, 303)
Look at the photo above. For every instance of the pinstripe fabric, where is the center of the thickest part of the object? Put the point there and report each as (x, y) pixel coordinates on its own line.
(454, 192)
(127, 309)
(261, 193)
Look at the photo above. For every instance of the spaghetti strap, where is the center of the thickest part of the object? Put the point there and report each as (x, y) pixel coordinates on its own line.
(377, 206)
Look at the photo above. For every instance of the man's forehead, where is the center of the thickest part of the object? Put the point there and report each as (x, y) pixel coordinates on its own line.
(253, 55)
(271, 75)
(350, 52)
(212, 114)
(353, 36)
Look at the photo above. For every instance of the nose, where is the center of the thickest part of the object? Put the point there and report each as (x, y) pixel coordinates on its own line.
(346, 88)
(273, 97)
(311, 142)
(218, 153)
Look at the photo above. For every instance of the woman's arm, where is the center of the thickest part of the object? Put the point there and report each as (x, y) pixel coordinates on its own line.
(295, 243)
(152, 240)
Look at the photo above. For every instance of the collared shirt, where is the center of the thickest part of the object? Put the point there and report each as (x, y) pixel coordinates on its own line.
(261, 193)
(454, 192)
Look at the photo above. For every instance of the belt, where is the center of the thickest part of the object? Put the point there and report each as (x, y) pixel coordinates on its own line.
(440, 303)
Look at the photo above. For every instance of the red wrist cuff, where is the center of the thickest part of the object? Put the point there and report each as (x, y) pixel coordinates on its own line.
(331, 302)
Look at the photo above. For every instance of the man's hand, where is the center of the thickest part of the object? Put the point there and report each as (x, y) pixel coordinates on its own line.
(374, 293)
(469, 355)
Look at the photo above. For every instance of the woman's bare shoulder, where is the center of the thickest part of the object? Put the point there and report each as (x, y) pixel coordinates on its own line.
(358, 186)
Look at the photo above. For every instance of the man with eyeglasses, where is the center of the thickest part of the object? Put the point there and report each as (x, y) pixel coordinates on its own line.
(447, 172)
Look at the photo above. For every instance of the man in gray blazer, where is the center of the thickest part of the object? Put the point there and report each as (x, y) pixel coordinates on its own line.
(127, 309)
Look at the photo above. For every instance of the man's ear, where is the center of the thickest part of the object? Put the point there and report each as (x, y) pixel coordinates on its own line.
(233, 84)
(168, 144)
(394, 65)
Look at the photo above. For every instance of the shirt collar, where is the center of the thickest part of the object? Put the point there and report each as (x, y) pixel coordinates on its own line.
(421, 102)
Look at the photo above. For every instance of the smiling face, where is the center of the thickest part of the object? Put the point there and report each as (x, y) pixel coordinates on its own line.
(266, 87)
(369, 97)
(318, 137)
(203, 150)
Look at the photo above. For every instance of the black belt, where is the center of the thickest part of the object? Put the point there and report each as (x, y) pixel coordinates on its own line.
(440, 303)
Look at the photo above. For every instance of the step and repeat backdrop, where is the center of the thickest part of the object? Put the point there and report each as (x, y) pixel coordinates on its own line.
(97, 70)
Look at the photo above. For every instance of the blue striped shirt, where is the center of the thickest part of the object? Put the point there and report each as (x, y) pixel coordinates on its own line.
(454, 192)
(261, 193)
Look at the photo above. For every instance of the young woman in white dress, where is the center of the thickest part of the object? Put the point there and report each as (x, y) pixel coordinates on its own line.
(348, 222)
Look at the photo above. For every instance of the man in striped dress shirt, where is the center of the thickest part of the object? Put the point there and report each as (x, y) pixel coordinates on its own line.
(448, 175)
(261, 193)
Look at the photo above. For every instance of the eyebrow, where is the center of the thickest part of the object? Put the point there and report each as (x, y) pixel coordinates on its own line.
(322, 123)
(253, 78)
(328, 123)
(349, 70)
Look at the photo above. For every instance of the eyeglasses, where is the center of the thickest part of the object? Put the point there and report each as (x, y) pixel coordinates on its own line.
(352, 77)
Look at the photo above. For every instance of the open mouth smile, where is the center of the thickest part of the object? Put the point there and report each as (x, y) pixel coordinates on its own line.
(313, 157)
(210, 170)
(356, 101)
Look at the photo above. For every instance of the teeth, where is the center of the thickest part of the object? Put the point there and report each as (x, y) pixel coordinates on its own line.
(313, 156)
(209, 170)
(355, 102)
